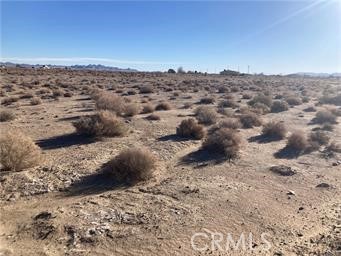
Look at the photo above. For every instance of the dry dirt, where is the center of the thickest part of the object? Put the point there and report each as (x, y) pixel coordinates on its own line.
(62, 207)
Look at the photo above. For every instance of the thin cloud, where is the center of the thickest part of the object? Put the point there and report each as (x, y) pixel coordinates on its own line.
(50, 60)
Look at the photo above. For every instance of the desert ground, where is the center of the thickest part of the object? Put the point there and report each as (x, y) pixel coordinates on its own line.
(66, 205)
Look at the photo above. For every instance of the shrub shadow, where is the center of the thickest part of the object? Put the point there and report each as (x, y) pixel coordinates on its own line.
(202, 158)
(65, 140)
(263, 139)
(69, 118)
(288, 153)
(96, 183)
(173, 137)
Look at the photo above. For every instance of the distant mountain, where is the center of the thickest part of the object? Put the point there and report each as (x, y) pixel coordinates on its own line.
(97, 67)
(312, 74)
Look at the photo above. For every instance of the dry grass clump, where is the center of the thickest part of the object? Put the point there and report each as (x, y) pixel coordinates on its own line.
(223, 141)
(207, 100)
(104, 123)
(9, 100)
(310, 109)
(334, 147)
(279, 106)
(190, 128)
(231, 123)
(163, 106)
(293, 101)
(148, 108)
(261, 98)
(131, 166)
(247, 96)
(35, 101)
(18, 152)
(109, 101)
(153, 117)
(275, 130)
(131, 109)
(57, 93)
(325, 116)
(319, 137)
(6, 115)
(146, 89)
(250, 120)
(260, 108)
(228, 103)
(297, 141)
(331, 99)
(206, 115)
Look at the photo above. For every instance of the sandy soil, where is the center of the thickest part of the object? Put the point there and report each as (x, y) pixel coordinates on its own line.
(61, 207)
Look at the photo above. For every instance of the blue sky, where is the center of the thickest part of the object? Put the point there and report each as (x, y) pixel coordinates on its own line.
(270, 36)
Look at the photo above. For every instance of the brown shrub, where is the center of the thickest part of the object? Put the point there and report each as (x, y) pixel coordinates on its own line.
(250, 120)
(293, 101)
(207, 100)
(6, 115)
(310, 109)
(334, 147)
(274, 130)
(146, 89)
(247, 96)
(131, 166)
(319, 137)
(229, 103)
(231, 123)
(261, 98)
(104, 123)
(9, 100)
(206, 115)
(57, 93)
(325, 116)
(279, 106)
(297, 141)
(110, 101)
(131, 109)
(35, 101)
(153, 117)
(189, 128)
(148, 108)
(223, 141)
(18, 152)
(163, 106)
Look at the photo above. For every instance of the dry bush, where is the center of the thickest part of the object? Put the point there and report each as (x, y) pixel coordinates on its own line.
(336, 111)
(68, 94)
(131, 166)
(206, 115)
(9, 100)
(228, 103)
(223, 141)
(207, 100)
(57, 93)
(331, 99)
(261, 98)
(325, 116)
(231, 123)
(247, 96)
(35, 101)
(274, 130)
(190, 128)
(297, 141)
(250, 120)
(131, 109)
(104, 123)
(279, 106)
(293, 101)
(226, 112)
(187, 105)
(18, 152)
(146, 89)
(109, 101)
(148, 108)
(260, 108)
(6, 115)
(334, 147)
(310, 109)
(163, 106)
(319, 137)
(153, 117)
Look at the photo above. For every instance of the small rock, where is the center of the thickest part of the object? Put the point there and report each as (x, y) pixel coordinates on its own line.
(291, 193)
(323, 185)
(283, 170)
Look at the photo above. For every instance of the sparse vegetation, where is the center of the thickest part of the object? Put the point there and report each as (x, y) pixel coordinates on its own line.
(279, 106)
(35, 101)
(6, 115)
(325, 116)
(250, 120)
(206, 115)
(275, 130)
(297, 141)
(163, 106)
(189, 128)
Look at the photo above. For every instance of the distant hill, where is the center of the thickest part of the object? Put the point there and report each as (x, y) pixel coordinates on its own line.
(312, 74)
(97, 67)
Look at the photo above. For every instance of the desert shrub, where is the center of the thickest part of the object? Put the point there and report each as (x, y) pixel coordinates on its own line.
(131, 109)
(190, 128)
(148, 108)
(310, 109)
(261, 98)
(35, 101)
(336, 111)
(231, 123)
(229, 103)
(187, 105)
(250, 120)
(334, 147)
(18, 152)
(146, 89)
(331, 99)
(68, 94)
(57, 93)
(274, 130)
(207, 100)
(246, 96)
(163, 106)
(131, 166)
(325, 116)
(104, 123)
(6, 115)
(279, 106)
(9, 100)
(223, 141)
(297, 141)
(153, 117)
(293, 101)
(319, 137)
(27, 95)
(327, 127)
(206, 115)
(226, 112)
(110, 101)
(305, 99)
(260, 108)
